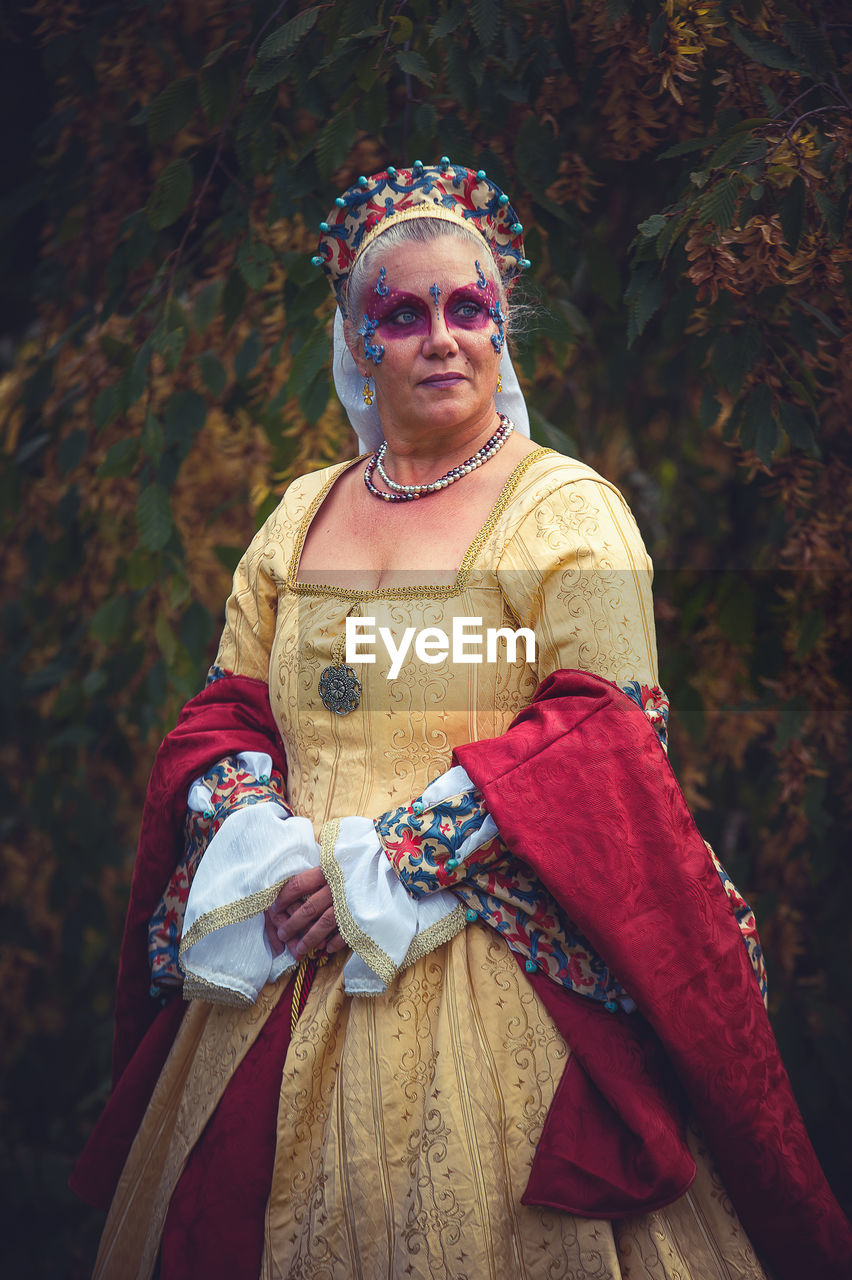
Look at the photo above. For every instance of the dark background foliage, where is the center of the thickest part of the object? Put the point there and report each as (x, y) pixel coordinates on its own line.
(683, 173)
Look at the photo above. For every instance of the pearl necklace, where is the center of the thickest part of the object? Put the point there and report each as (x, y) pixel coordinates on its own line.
(408, 492)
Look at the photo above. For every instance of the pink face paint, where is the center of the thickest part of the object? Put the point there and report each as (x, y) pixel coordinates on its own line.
(401, 315)
(468, 308)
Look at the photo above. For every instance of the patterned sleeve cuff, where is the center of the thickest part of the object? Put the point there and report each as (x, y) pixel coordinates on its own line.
(224, 951)
(436, 841)
(233, 783)
(386, 928)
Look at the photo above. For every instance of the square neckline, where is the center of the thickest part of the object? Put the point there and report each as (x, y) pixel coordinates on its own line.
(426, 591)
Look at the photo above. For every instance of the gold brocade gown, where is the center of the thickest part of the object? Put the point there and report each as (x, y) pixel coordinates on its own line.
(408, 1122)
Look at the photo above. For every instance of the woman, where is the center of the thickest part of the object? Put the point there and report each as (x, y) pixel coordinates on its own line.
(477, 867)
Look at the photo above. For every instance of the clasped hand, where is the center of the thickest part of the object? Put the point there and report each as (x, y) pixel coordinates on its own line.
(302, 917)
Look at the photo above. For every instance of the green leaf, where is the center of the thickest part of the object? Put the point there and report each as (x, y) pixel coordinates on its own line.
(134, 384)
(170, 346)
(447, 23)
(792, 212)
(460, 82)
(758, 429)
(153, 438)
(764, 52)
(576, 322)
(121, 458)
(313, 402)
(773, 106)
(806, 39)
(719, 205)
(311, 358)
(796, 426)
(731, 149)
(183, 418)
(536, 152)
(266, 75)
(170, 195)
(196, 629)
(652, 226)
(229, 557)
(212, 373)
(286, 38)
(107, 622)
(644, 296)
(335, 143)
(166, 639)
(233, 298)
(254, 259)
(402, 29)
(216, 88)
(106, 407)
(71, 451)
(671, 233)
(154, 517)
(731, 360)
(830, 215)
(486, 17)
(171, 110)
(708, 412)
(206, 305)
(215, 54)
(118, 353)
(811, 629)
(248, 356)
(684, 148)
(414, 64)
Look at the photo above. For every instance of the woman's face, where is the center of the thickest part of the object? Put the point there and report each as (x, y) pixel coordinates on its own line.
(430, 331)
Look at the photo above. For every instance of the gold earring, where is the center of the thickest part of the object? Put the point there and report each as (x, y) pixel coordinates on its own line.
(367, 392)
(499, 382)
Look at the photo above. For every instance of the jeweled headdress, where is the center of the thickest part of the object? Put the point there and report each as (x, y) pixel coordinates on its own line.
(447, 191)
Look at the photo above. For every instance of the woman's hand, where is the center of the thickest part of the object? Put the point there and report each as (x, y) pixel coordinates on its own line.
(304, 912)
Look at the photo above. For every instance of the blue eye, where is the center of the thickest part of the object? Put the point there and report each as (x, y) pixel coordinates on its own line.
(468, 310)
(405, 315)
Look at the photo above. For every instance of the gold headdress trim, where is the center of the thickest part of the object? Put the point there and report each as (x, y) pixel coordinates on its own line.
(423, 209)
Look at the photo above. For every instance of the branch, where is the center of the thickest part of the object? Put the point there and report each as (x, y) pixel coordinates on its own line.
(214, 164)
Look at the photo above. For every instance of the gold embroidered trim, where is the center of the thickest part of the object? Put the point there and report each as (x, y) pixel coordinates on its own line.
(195, 988)
(352, 934)
(231, 913)
(436, 935)
(405, 593)
(422, 209)
(355, 937)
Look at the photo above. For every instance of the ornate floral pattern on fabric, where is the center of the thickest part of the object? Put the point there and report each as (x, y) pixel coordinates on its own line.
(231, 788)
(422, 844)
(654, 703)
(744, 917)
